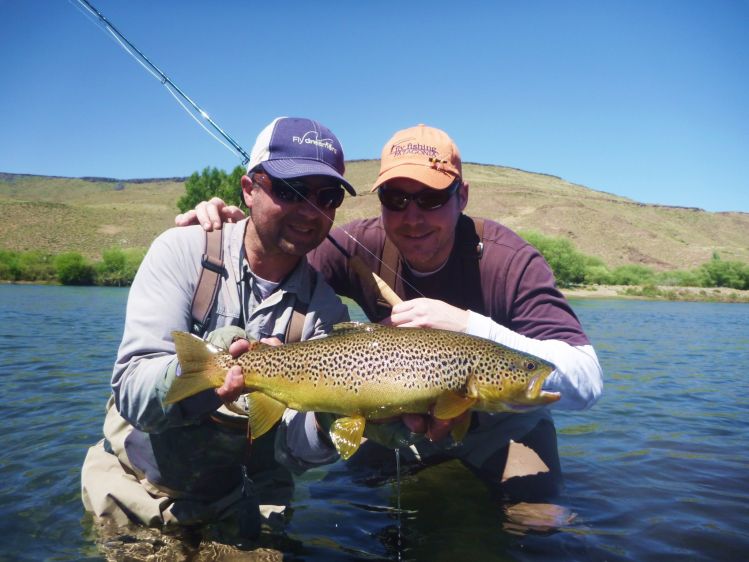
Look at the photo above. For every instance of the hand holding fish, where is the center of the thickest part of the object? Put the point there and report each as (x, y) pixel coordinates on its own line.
(434, 428)
(428, 313)
(233, 386)
(368, 372)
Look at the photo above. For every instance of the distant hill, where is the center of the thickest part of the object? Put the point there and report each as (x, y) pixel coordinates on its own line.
(89, 215)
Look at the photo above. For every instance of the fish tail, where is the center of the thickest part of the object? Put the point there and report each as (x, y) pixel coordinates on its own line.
(199, 368)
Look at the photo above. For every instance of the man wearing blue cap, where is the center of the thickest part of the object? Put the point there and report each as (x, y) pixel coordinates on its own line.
(191, 462)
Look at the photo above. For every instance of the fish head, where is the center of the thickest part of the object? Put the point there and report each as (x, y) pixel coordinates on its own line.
(516, 385)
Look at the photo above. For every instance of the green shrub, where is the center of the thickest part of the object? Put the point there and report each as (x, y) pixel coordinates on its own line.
(598, 275)
(569, 265)
(10, 268)
(73, 269)
(118, 267)
(632, 275)
(719, 273)
(679, 278)
(27, 266)
(37, 266)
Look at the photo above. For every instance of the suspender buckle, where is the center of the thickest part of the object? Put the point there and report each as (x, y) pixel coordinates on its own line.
(212, 264)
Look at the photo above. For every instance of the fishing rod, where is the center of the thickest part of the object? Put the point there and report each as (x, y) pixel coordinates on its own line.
(133, 51)
(366, 275)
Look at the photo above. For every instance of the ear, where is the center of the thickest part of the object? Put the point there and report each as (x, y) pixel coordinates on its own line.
(247, 191)
(463, 195)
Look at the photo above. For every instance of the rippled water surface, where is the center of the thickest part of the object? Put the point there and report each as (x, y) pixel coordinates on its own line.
(657, 470)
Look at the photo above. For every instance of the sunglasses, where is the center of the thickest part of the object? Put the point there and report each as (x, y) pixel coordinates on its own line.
(427, 199)
(296, 191)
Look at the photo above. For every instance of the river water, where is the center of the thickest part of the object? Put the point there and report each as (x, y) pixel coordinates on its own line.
(657, 470)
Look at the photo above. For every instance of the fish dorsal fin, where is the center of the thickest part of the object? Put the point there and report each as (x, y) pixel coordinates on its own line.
(451, 404)
(346, 328)
(264, 413)
(346, 434)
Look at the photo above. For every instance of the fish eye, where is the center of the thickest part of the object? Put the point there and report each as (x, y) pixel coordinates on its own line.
(530, 365)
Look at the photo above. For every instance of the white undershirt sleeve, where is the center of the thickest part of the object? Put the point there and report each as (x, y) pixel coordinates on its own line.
(578, 376)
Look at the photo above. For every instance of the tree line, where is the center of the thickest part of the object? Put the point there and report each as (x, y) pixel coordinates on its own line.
(117, 267)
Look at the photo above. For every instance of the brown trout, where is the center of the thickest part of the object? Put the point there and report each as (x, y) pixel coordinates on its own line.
(369, 372)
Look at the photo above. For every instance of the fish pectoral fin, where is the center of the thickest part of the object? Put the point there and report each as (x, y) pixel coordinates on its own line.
(451, 404)
(459, 430)
(346, 434)
(264, 413)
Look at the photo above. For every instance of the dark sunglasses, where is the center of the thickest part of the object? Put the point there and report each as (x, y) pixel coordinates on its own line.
(427, 199)
(296, 191)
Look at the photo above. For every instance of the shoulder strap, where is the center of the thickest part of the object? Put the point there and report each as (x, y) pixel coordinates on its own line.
(479, 226)
(207, 289)
(295, 327)
(389, 267)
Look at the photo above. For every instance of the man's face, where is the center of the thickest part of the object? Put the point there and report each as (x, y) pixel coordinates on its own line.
(285, 225)
(424, 238)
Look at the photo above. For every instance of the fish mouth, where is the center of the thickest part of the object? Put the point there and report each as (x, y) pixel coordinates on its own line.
(534, 393)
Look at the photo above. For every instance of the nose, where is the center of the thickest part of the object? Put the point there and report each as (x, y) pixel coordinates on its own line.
(307, 208)
(412, 214)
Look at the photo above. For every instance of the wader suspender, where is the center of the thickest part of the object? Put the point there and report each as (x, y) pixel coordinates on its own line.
(205, 294)
(294, 328)
(390, 264)
(207, 289)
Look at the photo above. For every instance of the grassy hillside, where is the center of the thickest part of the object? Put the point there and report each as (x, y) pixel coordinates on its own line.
(89, 215)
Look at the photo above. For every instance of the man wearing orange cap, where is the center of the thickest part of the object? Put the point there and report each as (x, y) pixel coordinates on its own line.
(462, 274)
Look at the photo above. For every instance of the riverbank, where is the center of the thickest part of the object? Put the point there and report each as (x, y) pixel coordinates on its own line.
(650, 292)
(658, 292)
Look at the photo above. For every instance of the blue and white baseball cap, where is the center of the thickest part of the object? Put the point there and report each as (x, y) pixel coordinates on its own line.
(291, 147)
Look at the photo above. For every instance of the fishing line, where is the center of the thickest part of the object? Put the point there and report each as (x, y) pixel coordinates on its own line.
(173, 89)
(181, 98)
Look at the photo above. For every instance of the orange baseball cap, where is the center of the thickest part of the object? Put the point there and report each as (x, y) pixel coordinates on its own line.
(421, 153)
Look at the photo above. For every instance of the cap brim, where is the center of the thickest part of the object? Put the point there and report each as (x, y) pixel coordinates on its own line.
(431, 177)
(290, 168)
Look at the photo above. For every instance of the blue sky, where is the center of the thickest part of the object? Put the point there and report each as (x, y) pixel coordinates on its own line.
(644, 99)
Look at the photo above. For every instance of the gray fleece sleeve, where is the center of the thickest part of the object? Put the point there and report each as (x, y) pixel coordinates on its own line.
(159, 302)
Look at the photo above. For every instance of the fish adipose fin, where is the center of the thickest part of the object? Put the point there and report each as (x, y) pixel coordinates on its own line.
(264, 413)
(346, 434)
(451, 404)
(199, 370)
